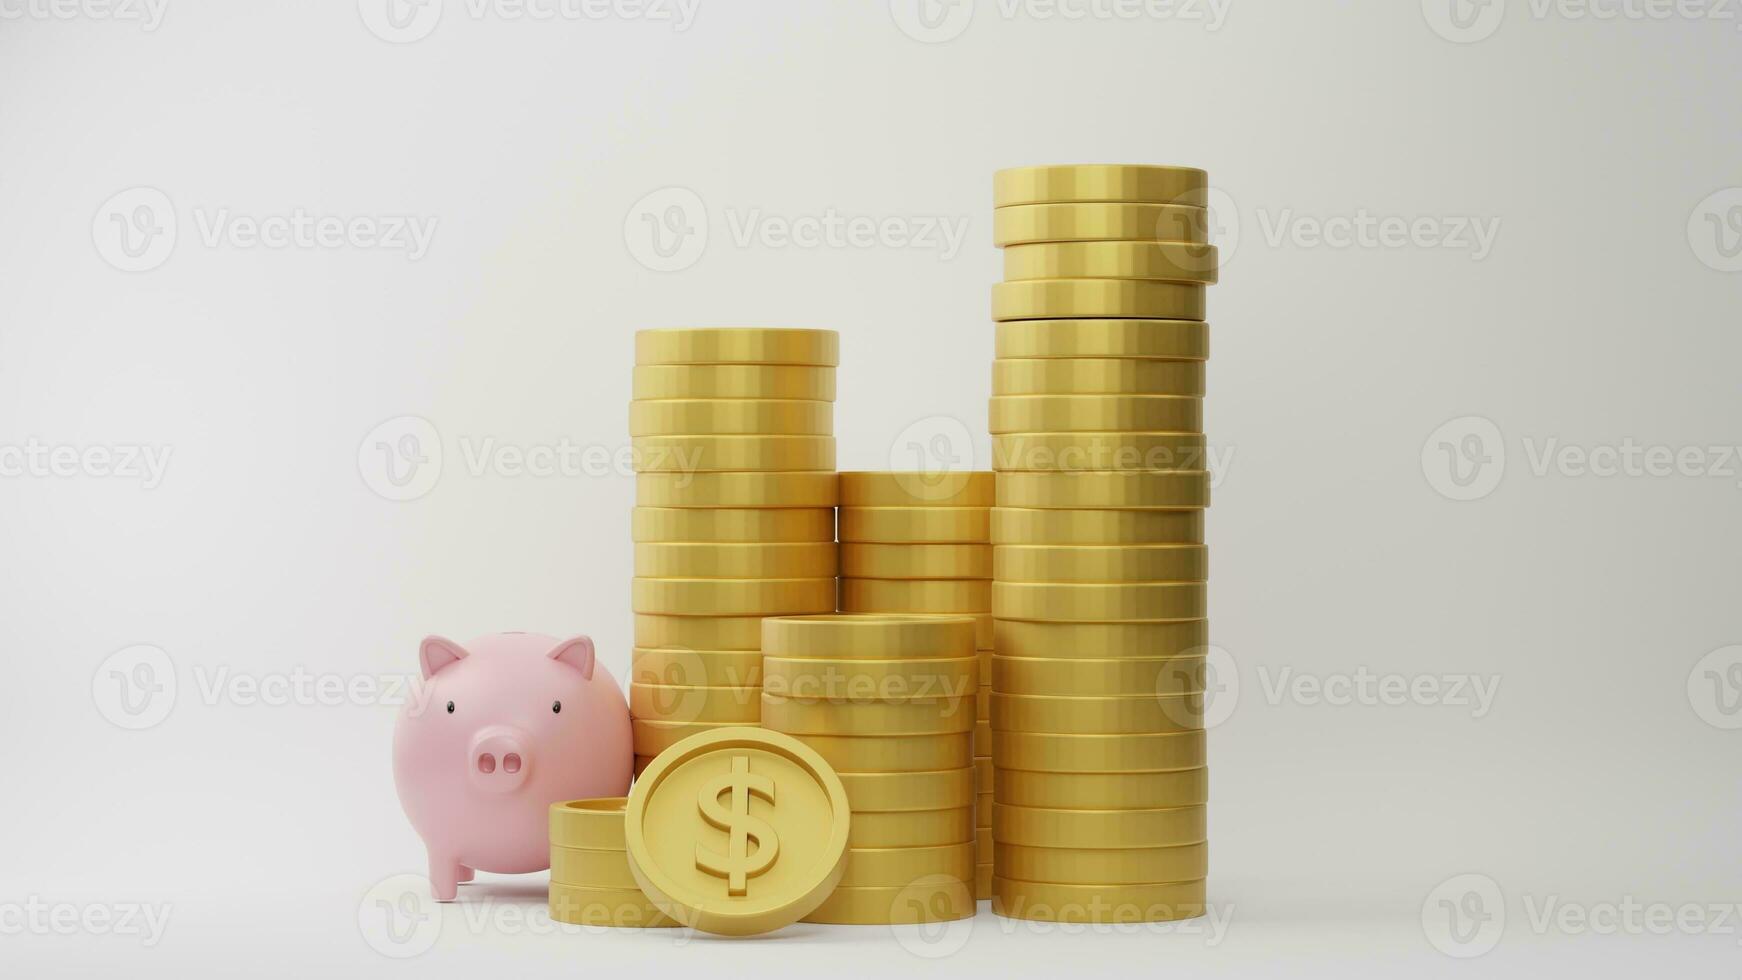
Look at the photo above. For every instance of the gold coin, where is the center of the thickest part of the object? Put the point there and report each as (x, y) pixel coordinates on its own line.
(870, 680)
(889, 867)
(914, 525)
(983, 850)
(983, 775)
(1096, 376)
(1093, 452)
(944, 488)
(912, 828)
(731, 417)
(1116, 829)
(1101, 182)
(699, 632)
(892, 792)
(916, 595)
(676, 559)
(1098, 903)
(738, 831)
(596, 824)
(939, 717)
(1103, 641)
(983, 880)
(738, 345)
(1098, 716)
(1088, 337)
(1155, 490)
(983, 737)
(732, 596)
(1164, 261)
(1123, 602)
(1039, 752)
(893, 753)
(869, 636)
(712, 454)
(983, 804)
(624, 908)
(916, 561)
(736, 705)
(660, 381)
(587, 868)
(1081, 527)
(1051, 299)
(741, 490)
(670, 524)
(934, 898)
(653, 737)
(985, 667)
(1102, 563)
(1103, 791)
(1020, 224)
(673, 667)
(1094, 413)
(1098, 678)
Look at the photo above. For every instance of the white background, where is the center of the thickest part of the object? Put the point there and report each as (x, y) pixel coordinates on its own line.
(1603, 153)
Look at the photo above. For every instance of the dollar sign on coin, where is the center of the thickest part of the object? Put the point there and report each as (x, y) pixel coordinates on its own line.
(739, 864)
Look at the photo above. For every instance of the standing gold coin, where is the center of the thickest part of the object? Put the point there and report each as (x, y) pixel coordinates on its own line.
(912, 828)
(658, 381)
(1102, 563)
(868, 718)
(1076, 452)
(1012, 525)
(893, 753)
(736, 490)
(1078, 337)
(1148, 183)
(1039, 752)
(728, 560)
(734, 705)
(892, 792)
(1096, 376)
(1098, 678)
(932, 898)
(699, 632)
(1102, 791)
(731, 417)
(713, 454)
(718, 525)
(1123, 602)
(1095, 413)
(738, 345)
(916, 561)
(944, 488)
(673, 667)
(732, 596)
(1097, 716)
(622, 908)
(869, 636)
(1123, 904)
(916, 595)
(914, 525)
(892, 867)
(1155, 490)
(1097, 829)
(1165, 261)
(1020, 224)
(1103, 641)
(595, 824)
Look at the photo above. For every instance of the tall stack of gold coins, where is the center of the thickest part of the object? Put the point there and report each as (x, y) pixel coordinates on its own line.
(921, 543)
(590, 880)
(735, 491)
(883, 698)
(1099, 565)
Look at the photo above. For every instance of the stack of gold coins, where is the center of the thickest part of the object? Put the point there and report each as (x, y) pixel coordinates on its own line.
(590, 880)
(1099, 565)
(921, 543)
(886, 700)
(735, 490)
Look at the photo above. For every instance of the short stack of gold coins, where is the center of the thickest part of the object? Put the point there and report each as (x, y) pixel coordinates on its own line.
(590, 880)
(1099, 564)
(885, 700)
(918, 542)
(735, 488)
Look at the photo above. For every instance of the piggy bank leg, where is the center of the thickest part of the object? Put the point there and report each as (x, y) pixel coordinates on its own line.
(465, 876)
(444, 877)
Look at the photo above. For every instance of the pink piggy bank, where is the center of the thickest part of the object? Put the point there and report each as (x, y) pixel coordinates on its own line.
(507, 725)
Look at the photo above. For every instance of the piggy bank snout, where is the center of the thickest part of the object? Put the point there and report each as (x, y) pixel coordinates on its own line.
(499, 760)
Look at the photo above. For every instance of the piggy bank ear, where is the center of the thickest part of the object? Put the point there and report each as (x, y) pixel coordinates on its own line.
(437, 653)
(577, 653)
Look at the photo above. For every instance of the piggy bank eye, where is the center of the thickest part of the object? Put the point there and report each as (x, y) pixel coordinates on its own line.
(450, 707)
(556, 707)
